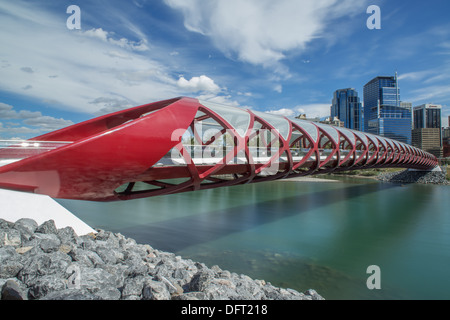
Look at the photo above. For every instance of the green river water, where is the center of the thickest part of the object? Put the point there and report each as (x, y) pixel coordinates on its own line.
(301, 235)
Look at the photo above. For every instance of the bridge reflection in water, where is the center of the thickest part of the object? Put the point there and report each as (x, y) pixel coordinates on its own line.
(184, 144)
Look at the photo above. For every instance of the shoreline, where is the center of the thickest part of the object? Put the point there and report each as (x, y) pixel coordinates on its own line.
(41, 262)
(405, 176)
(307, 179)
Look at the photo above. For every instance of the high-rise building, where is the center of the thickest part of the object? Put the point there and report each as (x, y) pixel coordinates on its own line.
(427, 132)
(429, 140)
(427, 116)
(347, 107)
(384, 114)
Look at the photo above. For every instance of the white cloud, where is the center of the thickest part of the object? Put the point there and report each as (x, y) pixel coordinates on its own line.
(7, 112)
(220, 99)
(196, 84)
(71, 68)
(261, 32)
(278, 88)
(106, 36)
(316, 110)
(17, 133)
(431, 94)
(283, 112)
(35, 121)
(47, 123)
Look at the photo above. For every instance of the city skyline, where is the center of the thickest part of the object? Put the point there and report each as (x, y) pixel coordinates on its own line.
(284, 59)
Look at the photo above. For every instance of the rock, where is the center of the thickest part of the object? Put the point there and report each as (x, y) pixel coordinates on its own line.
(59, 263)
(48, 227)
(27, 227)
(200, 281)
(173, 287)
(36, 266)
(313, 294)
(96, 279)
(66, 235)
(23, 250)
(50, 245)
(109, 255)
(65, 248)
(6, 224)
(41, 286)
(109, 293)
(133, 286)
(26, 223)
(12, 291)
(191, 296)
(11, 262)
(10, 237)
(155, 290)
(86, 257)
(71, 294)
(409, 176)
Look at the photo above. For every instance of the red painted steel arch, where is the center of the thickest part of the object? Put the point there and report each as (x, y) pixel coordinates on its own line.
(184, 144)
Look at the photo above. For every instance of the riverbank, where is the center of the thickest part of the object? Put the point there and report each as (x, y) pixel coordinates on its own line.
(41, 262)
(398, 175)
(409, 176)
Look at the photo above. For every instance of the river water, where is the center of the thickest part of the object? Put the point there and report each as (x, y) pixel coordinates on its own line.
(301, 235)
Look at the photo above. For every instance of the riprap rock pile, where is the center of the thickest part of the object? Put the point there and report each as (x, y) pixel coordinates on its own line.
(410, 176)
(43, 262)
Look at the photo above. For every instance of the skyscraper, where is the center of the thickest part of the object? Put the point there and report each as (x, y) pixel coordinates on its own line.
(427, 116)
(427, 133)
(346, 106)
(384, 114)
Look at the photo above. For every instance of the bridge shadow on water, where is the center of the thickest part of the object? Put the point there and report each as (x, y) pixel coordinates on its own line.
(176, 234)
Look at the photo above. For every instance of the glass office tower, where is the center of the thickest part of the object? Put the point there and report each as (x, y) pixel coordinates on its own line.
(347, 107)
(384, 114)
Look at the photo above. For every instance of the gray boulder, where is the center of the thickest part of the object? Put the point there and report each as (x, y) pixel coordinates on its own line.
(12, 291)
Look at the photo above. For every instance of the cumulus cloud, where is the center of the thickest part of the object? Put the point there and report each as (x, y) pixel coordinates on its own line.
(315, 110)
(261, 32)
(197, 84)
(283, 112)
(106, 36)
(226, 100)
(35, 121)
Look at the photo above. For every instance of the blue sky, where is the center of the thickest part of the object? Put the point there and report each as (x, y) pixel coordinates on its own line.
(285, 57)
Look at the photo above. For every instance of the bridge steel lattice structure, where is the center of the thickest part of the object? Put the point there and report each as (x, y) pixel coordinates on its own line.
(184, 144)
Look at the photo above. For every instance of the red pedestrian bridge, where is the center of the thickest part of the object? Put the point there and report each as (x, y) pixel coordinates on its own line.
(184, 144)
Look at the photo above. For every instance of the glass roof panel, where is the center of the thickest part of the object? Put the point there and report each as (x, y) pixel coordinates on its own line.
(362, 137)
(332, 132)
(238, 118)
(310, 128)
(348, 134)
(279, 123)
